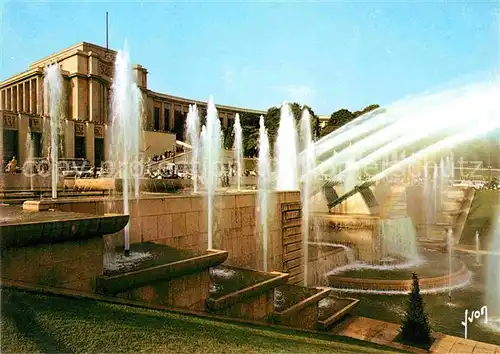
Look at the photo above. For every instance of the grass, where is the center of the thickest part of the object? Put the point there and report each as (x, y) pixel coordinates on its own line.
(481, 216)
(41, 323)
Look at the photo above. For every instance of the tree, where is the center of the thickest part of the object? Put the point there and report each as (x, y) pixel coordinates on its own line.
(415, 328)
(250, 133)
(340, 117)
(365, 110)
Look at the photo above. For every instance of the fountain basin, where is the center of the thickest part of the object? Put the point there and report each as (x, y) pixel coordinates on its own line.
(333, 308)
(165, 264)
(20, 228)
(297, 306)
(156, 185)
(432, 272)
(243, 293)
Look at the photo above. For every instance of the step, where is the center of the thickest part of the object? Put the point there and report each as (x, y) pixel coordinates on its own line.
(170, 277)
(450, 206)
(333, 308)
(243, 293)
(297, 306)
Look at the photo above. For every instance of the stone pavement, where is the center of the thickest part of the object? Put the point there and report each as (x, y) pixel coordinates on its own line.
(382, 332)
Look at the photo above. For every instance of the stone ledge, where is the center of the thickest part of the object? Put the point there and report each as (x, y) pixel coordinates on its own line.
(38, 205)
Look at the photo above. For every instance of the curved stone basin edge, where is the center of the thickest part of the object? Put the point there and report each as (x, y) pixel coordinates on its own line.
(72, 228)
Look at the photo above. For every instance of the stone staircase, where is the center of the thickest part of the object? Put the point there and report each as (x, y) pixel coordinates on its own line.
(394, 206)
(453, 213)
(199, 282)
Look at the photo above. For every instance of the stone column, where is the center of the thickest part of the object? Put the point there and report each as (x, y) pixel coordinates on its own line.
(12, 99)
(89, 142)
(2, 100)
(162, 116)
(69, 138)
(171, 116)
(39, 95)
(94, 100)
(26, 98)
(23, 128)
(32, 109)
(19, 102)
(106, 118)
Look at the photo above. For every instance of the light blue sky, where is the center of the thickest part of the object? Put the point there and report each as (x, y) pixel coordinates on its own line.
(326, 54)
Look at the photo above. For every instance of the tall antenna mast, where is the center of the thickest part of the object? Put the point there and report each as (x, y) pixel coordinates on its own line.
(106, 30)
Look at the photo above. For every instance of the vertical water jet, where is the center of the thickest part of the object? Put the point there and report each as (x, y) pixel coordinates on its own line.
(307, 164)
(212, 144)
(53, 86)
(193, 132)
(238, 149)
(126, 119)
(286, 151)
(263, 189)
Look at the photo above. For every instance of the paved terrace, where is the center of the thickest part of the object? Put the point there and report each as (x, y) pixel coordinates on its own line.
(384, 333)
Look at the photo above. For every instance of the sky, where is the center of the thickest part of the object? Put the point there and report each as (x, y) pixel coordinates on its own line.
(328, 55)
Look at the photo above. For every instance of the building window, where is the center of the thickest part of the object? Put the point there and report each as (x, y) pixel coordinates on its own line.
(79, 147)
(37, 144)
(98, 151)
(156, 118)
(179, 119)
(167, 119)
(10, 141)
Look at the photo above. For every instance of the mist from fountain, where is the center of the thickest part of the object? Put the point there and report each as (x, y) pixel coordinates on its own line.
(350, 179)
(211, 151)
(286, 152)
(488, 122)
(458, 104)
(449, 240)
(428, 200)
(264, 170)
(398, 238)
(238, 149)
(53, 87)
(193, 133)
(434, 192)
(307, 163)
(126, 110)
(442, 183)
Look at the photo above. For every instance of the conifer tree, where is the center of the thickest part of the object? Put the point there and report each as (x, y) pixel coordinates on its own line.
(415, 328)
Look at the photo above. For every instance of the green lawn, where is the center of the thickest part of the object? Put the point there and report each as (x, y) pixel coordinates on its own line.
(41, 323)
(482, 213)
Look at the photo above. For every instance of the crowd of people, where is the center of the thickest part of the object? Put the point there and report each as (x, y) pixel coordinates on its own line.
(165, 155)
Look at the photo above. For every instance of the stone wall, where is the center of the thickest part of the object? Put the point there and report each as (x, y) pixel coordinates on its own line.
(71, 265)
(181, 221)
(19, 181)
(325, 261)
(360, 232)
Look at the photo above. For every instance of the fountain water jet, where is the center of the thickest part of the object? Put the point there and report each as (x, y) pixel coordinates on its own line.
(264, 176)
(307, 164)
(286, 148)
(434, 191)
(193, 128)
(29, 150)
(238, 148)
(449, 239)
(212, 144)
(126, 118)
(53, 84)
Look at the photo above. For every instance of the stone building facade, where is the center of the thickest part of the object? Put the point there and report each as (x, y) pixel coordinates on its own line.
(87, 71)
